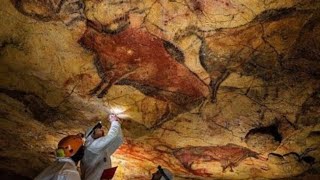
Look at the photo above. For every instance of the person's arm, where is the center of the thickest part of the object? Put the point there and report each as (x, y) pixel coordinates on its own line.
(109, 142)
(116, 143)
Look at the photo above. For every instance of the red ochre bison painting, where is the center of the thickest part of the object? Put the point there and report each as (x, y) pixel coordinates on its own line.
(136, 57)
(229, 155)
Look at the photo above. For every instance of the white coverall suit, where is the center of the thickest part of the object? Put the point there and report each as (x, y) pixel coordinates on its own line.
(98, 151)
(61, 169)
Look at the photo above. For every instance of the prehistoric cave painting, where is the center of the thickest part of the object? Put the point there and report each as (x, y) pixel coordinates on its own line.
(203, 7)
(229, 155)
(69, 11)
(136, 57)
(146, 152)
(115, 26)
(174, 51)
(256, 49)
(294, 156)
(305, 56)
(310, 110)
(274, 14)
(10, 42)
(217, 69)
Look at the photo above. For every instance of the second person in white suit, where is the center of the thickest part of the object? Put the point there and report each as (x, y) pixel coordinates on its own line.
(99, 148)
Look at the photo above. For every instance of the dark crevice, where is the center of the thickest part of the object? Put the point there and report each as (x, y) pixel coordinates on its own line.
(309, 159)
(270, 130)
(314, 134)
(37, 106)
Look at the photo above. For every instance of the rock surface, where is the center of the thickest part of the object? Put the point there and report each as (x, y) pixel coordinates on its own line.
(206, 88)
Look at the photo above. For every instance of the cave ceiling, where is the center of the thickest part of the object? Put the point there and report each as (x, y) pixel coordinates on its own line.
(206, 88)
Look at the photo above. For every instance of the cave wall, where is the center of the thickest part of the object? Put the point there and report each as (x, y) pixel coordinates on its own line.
(207, 88)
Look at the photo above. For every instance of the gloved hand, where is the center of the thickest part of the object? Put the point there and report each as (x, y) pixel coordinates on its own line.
(113, 117)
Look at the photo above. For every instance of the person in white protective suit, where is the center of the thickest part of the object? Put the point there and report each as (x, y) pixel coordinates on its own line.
(69, 152)
(99, 148)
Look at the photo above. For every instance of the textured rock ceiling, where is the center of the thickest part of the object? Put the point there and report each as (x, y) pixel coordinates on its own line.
(207, 88)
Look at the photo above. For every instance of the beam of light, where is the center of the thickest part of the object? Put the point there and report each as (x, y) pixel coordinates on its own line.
(119, 112)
